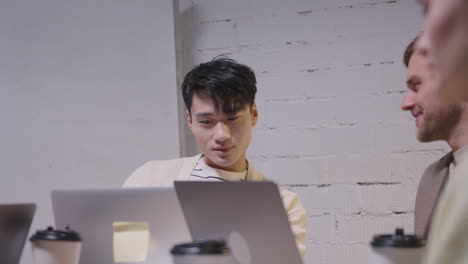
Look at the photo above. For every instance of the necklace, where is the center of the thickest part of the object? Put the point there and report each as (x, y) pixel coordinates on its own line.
(246, 170)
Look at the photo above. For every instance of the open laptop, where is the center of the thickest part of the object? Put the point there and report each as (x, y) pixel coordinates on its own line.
(15, 221)
(113, 221)
(250, 216)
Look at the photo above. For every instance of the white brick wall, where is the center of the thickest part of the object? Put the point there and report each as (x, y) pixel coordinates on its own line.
(330, 82)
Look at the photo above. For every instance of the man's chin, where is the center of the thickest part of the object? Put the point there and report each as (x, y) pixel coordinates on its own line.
(421, 137)
(426, 137)
(221, 161)
(424, 140)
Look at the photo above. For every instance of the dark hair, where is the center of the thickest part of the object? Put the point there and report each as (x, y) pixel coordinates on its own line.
(231, 86)
(409, 51)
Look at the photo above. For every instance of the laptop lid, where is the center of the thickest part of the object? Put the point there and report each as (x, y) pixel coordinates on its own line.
(250, 216)
(15, 221)
(118, 224)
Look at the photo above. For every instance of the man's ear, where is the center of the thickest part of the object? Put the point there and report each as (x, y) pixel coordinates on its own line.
(254, 112)
(189, 118)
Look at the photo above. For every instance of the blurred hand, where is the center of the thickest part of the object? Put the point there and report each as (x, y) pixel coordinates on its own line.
(445, 42)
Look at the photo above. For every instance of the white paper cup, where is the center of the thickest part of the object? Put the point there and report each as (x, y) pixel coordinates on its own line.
(56, 247)
(397, 248)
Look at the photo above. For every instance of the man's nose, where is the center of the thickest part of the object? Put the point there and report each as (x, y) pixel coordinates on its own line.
(222, 132)
(408, 101)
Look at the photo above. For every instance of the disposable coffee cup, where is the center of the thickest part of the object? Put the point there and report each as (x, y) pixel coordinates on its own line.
(201, 252)
(398, 248)
(51, 246)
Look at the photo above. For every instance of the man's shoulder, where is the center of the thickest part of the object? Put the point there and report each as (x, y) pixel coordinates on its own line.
(290, 198)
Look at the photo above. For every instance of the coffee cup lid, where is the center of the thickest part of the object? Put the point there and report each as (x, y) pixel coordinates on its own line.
(399, 239)
(56, 235)
(201, 247)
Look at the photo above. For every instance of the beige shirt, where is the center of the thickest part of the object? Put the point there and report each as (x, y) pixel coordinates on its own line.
(163, 173)
(203, 172)
(448, 239)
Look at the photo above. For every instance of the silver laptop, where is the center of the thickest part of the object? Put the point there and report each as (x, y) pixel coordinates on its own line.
(250, 216)
(15, 221)
(106, 218)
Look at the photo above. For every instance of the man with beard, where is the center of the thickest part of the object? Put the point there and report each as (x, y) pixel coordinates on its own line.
(434, 178)
(441, 112)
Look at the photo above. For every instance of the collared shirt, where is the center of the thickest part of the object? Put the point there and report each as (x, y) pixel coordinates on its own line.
(458, 157)
(448, 239)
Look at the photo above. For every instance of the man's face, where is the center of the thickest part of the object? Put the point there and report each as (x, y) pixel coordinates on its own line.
(222, 138)
(445, 41)
(436, 115)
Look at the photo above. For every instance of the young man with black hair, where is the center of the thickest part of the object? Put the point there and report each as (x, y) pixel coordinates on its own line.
(221, 112)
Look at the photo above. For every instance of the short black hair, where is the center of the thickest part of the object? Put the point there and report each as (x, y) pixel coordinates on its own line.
(231, 85)
(409, 51)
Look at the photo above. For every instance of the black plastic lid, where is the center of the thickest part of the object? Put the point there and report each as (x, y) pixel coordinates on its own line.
(201, 247)
(399, 239)
(56, 235)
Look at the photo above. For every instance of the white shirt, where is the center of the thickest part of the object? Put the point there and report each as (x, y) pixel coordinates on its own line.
(448, 238)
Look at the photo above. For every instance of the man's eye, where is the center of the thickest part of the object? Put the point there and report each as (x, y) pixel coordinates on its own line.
(232, 118)
(205, 122)
(416, 85)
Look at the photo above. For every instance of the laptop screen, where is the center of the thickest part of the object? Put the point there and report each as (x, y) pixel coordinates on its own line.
(122, 225)
(249, 216)
(15, 221)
